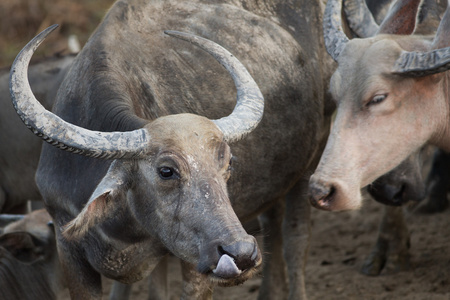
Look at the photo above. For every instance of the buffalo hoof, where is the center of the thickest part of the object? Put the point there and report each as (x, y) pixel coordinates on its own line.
(374, 264)
(377, 262)
(390, 255)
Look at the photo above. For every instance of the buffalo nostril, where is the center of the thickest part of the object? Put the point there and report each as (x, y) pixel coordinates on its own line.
(400, 197)
(321, 195)
(330, 194)
(221, 251)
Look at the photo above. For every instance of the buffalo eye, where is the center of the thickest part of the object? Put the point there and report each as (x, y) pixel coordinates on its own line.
(377, 99)
(166, 173)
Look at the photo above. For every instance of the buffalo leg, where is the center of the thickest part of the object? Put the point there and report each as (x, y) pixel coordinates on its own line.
(120, 291)
(196, 286)
(392, 244)
(274, 283)
(158, 281)
(296, 233)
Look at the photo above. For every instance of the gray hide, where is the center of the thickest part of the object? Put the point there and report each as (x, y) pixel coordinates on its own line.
(130, 76)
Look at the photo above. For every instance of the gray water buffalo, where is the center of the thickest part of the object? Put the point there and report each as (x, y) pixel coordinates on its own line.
(143, 115)
(391, 93)
(29, 265)
(19, 149)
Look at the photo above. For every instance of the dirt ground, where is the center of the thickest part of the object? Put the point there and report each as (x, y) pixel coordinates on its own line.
(340, 243)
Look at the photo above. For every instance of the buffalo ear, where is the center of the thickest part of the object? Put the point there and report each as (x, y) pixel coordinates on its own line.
(107, 199)
(23, 246)
(441, 39)
(401, 18)
(360, 18)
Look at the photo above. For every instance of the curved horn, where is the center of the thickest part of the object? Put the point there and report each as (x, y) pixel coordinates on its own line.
(249, 107)
(58, 132)
(418, 64)
(5, 219)
(335, 38)
(360, 19)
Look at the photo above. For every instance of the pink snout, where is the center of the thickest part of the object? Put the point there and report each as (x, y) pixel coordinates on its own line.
(332, 195)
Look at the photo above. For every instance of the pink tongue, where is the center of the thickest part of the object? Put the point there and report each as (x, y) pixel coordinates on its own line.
(226, 268)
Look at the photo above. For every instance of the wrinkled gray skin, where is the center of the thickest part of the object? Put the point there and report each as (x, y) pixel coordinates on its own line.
(29, 265)
(20, 150)
(129, 75)
(385, 112)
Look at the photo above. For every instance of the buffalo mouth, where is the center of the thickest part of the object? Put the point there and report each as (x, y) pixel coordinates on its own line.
(227, 273)
(229, 262)
(233, 264)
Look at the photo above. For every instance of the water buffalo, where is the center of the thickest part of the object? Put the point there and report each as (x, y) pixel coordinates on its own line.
(391, 93)
(20, 150)
(152, 174)
(29, 265)
(404, 183)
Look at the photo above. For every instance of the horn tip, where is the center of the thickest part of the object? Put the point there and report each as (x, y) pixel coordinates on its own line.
(175, 33)
(49, 29)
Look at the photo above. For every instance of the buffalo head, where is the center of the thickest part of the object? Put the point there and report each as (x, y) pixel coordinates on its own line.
(169, 178)
(391, 92)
